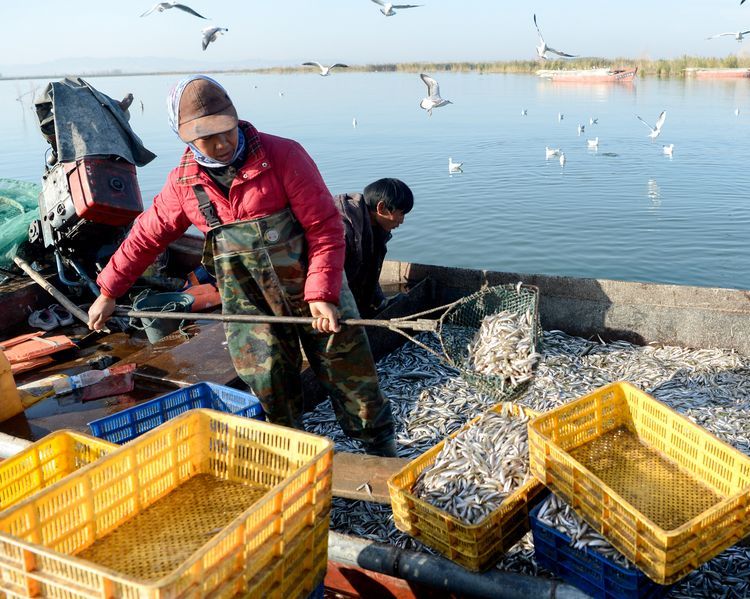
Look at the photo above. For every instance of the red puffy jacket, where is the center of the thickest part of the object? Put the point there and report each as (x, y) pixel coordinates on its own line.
(277, 173)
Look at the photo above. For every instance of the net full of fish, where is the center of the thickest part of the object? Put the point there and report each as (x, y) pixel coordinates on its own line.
(503, 347)
(430, 401)
(478, 468)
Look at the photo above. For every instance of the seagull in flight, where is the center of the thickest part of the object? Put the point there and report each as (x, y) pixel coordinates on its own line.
(324, 71)
(738, 35)
(433, 100)
(655, 130)
(388, 7)
(211, 34)
(543, 48)
(551, 152)
(593, 121)
(162, 6)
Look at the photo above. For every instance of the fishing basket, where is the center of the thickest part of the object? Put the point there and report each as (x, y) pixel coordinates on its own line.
(206, 505)
(664, 492)
(476, 547)
(127, 424)
(594, 573)
(47, 461)
(461, 321)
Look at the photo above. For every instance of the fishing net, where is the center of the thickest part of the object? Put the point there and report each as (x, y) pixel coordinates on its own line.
(19, 205)
(462, 320)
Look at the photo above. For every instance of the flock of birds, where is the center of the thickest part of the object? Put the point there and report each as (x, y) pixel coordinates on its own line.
(433, 99)
(593, 144)
(209, 34)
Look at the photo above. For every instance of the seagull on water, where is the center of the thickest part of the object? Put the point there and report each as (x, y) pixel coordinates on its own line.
(560, 116)
(668, 150)
(524, 112)
(211, 34)
(562, 159)
(324, 71)
(593, 143)
(455, 167)
(354, 122)
(736, 112)
(581, 129)
(655, 130)
(593, 121)
(162, 6)
(738, 35)
(551, 152)
(543, 48)
(433, 100)
(388, 7)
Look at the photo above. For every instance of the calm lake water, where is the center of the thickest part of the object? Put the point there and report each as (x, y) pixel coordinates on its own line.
(626, 211)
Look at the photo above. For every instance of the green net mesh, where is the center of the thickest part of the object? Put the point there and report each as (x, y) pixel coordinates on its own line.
(19, 205)
(462, 320)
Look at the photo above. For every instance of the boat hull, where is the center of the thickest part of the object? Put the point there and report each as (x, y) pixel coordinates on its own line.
(591, 75)
(719, 73)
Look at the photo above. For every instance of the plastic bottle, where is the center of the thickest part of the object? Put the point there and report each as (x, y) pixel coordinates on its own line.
(76, 381)
(10, 401)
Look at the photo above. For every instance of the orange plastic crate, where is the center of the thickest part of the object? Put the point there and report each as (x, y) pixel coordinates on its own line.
(474, 546)
(665, 492)
(45, 462)
(135, 500)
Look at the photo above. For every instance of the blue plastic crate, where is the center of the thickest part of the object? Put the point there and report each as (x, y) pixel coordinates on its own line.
(130, 423)
(318, 592)
(586, 569)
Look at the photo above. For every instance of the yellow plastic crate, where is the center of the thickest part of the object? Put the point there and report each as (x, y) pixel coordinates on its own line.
(666, 493)
(474, 546)
(47, 461)
(182, 500)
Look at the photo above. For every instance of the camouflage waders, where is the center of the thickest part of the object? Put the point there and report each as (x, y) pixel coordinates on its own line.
(260, 268)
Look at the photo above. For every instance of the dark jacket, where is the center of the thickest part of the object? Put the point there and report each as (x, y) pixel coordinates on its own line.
(365, 252)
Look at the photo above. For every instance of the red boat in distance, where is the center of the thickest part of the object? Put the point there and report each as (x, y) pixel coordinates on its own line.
(702, 73)
(595, 75)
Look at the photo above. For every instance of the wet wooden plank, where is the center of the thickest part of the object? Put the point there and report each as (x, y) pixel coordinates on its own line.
(353, 473)
(203, 357)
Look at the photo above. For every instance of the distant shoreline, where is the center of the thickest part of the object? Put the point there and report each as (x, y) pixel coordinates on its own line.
(653, 68)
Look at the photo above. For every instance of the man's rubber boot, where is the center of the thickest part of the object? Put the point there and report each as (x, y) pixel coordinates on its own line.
(385, 449)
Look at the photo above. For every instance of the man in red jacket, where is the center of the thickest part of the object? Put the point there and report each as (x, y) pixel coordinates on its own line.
(275, 242)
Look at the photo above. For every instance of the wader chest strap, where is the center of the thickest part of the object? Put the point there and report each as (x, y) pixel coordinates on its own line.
(206, 207)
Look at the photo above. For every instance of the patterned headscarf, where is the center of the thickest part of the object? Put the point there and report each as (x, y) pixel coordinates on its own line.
(173, 110)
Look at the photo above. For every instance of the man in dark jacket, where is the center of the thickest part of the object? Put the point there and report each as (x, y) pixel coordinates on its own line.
(369, 218)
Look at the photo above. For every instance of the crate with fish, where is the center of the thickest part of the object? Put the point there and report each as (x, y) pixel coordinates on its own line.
(47, 461)
(666, 493)
(128, 424)
(492, 336)
(569, 548)
(206, 505)
(469, 496)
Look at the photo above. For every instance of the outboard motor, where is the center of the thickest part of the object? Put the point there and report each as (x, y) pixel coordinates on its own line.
(90, 192)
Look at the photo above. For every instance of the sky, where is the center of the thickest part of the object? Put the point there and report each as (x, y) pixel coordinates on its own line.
(353, 31)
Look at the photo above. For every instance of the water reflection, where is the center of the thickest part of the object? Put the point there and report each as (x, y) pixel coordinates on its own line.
(654, 193)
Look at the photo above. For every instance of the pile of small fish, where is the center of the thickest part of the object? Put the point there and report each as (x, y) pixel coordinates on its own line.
(504, 347)
(430, 401)
(556, 513)
(478, 468)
